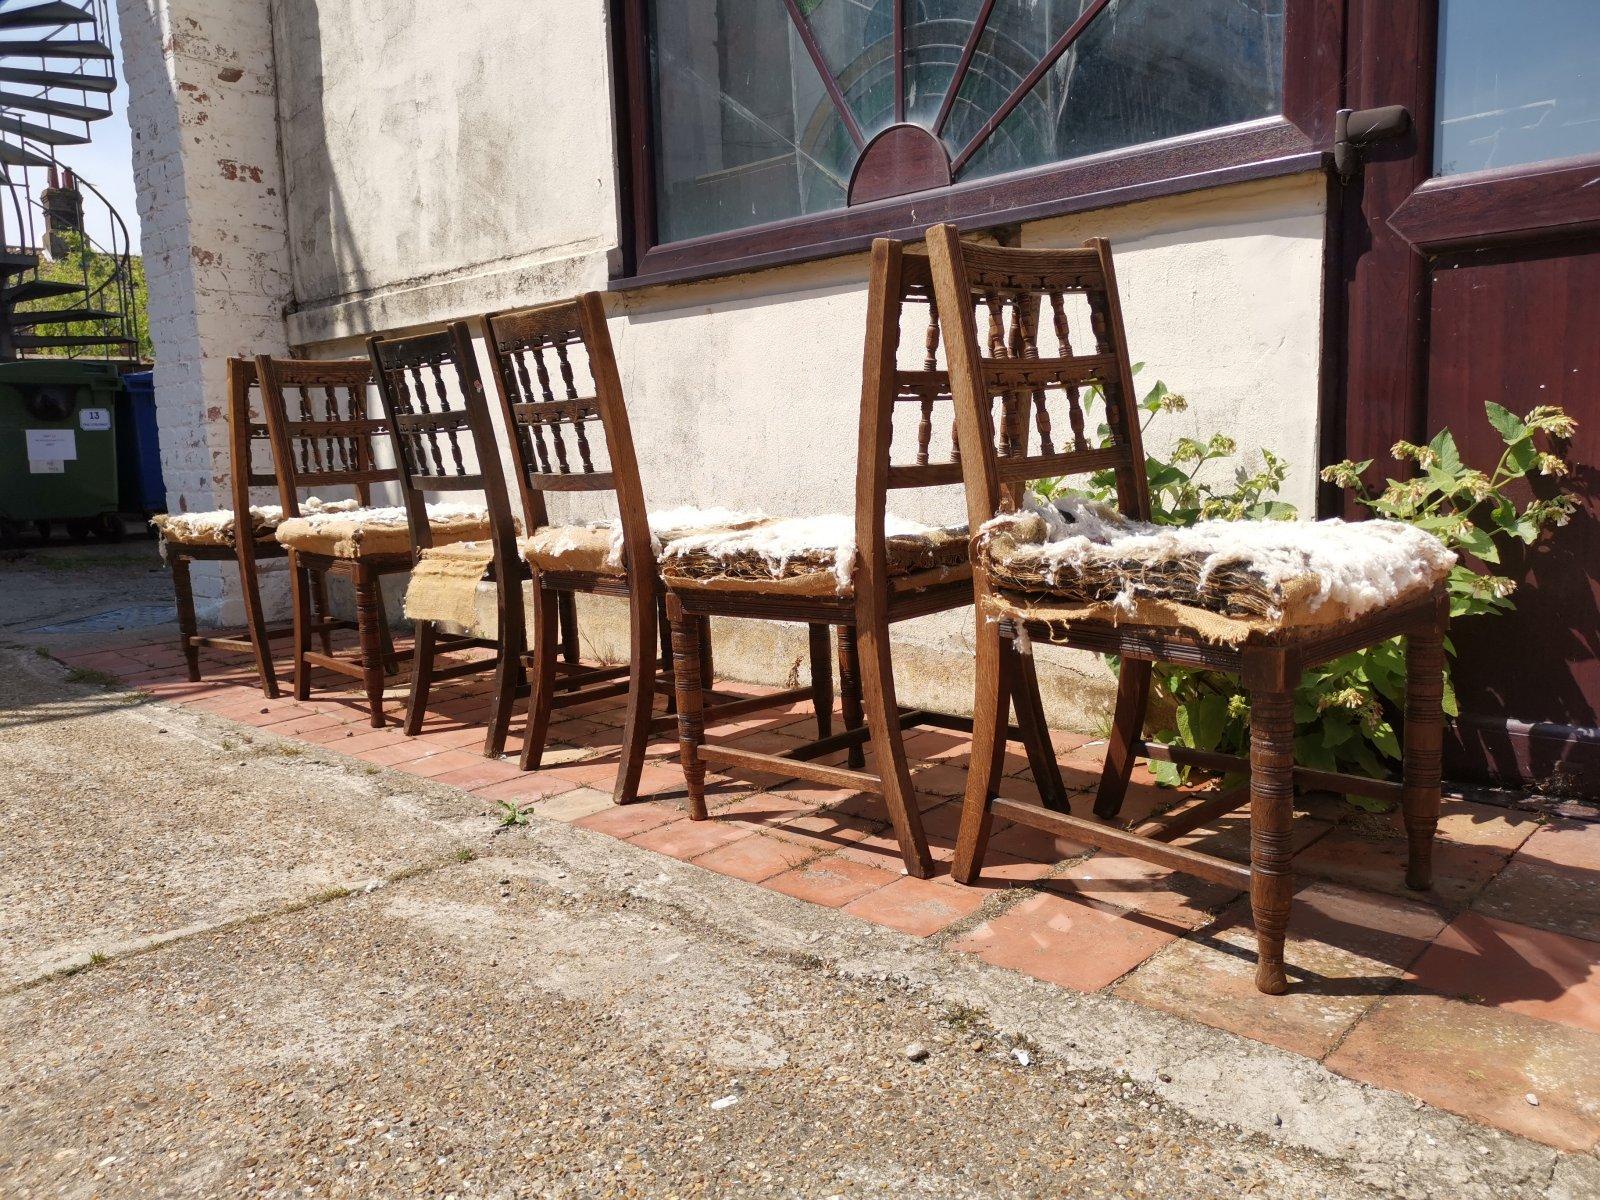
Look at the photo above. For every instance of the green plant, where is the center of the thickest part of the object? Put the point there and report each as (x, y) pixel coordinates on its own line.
(92, 269)
(1346, 711)
(512, 814)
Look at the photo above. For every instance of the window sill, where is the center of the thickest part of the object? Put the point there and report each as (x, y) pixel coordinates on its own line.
(1261, 150)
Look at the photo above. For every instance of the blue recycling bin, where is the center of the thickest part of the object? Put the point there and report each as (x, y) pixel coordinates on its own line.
(139, 446)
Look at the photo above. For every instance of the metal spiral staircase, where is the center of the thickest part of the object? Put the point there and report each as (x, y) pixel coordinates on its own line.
(56, 80)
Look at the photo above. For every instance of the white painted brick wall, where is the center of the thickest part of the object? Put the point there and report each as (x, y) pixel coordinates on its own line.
(203, 110)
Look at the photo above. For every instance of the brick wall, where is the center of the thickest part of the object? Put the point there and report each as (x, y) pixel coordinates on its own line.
(202, 106)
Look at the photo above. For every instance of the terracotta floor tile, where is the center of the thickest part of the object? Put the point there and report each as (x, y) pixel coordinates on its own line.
(831, 881)
(761, 810)
(1481, 1063)
(1348, 857)
(1564, 844)
(1346, 951)
(407, 750)
(482, 773)
(1023, 841)
(1505, 965)
(919, 907)
(440, 762)
(629, 820)
(1229, 836)
(999, 872)
(1065, 942)
(1565, 899)
(690, 839)
(824, 829)
(530, 786)
(1125, 882)
(372, 739)
(573, 804)
(755, 858)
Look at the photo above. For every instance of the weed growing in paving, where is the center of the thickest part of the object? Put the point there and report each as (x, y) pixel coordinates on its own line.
(511, 814)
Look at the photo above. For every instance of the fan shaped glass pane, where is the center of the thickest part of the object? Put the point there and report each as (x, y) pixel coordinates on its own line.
(856, 38)
(936, 33)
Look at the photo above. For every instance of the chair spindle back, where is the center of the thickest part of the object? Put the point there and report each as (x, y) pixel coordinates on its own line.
(1009, 317)
(319, 419)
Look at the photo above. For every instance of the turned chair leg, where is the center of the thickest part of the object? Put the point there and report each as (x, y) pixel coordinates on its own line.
(1271, 820)
(188, 626)
(686, 631)
(301, 586)
(542, 676)
(1022, 684)
(664, 629)
(1423, 750)
(391, 664)
(1133, 697)
(850, 691)
(421, 678)
(369, 631)
(255, 620)
(642, 643)
(571, 651)
(821, 646)
(323, 610)
(875, 670)
(508, 678)
(990, 704)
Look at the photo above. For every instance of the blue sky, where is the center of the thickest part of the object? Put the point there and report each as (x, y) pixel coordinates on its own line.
(107, 161)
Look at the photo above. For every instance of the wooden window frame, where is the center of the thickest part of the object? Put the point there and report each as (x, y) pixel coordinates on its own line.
(1297, 141)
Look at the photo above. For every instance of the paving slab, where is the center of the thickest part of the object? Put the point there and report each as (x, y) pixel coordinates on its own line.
(125, 821)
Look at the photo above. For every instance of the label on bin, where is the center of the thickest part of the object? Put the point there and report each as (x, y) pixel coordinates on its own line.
(45, 445)
(46, 466)
(93, 420)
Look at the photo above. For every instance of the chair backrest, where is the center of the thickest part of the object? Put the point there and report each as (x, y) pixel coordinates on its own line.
(1024, 359)
(249, 439)
(320, 420)
(562, 403)
(443, 434)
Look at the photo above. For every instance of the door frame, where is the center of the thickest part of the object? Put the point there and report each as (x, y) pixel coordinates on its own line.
(1383, 230)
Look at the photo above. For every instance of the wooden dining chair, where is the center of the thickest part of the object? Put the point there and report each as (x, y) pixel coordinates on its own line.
(561, 398)
(326, 435)
(860, 574)
(214, 536)
(1145, 605)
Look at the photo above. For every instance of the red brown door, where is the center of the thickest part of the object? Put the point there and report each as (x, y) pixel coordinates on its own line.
(1471, 255)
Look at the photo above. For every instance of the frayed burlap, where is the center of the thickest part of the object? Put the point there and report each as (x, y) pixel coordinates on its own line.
(370, 533)
(444, 583)
(217, 528)
(932, 557)
(584, 549)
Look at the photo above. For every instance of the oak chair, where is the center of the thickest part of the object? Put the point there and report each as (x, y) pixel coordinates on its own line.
(860, 580)
(1021, 297)
(215, 537)
(444, 441)
(562, 400)
(325, 435)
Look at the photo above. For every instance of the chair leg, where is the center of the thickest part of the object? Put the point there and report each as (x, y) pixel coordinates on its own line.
(255, 619)
(850, 691)
(875, 669)
(323, 609)
(421, 679)
(664, 629)
(571, 651)
(542, 681)
(188, 626)
(821, 645)
(1271, 818)
(1023, 686)
(686, 631)
(301, 586)
(1133, 695)
(1424, 736)
(989, 708)
(642, 641)
(508, 678)
(391, 664)
(369, 631)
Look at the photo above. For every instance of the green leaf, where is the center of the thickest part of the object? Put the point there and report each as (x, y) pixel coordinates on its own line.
(1444, 449)
(1475, 541)
(1506, 422)
(1370, 804)
(1522, 456)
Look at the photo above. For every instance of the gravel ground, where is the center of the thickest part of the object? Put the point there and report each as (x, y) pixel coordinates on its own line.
(226, 970)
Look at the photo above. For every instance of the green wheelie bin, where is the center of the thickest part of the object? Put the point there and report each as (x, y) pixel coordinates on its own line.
(58, 448)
